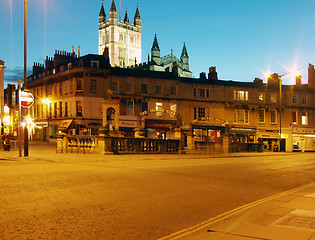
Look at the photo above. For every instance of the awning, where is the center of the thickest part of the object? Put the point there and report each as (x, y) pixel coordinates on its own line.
(65, 123)
(240, 130)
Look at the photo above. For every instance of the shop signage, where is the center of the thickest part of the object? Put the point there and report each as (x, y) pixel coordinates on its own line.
(27, 99)
(128, 124)
(161, 125)
(162, 110)
(207, 119)
(302, 130)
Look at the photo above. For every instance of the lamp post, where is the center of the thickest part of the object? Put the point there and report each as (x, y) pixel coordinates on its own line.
(280, 108)
(25, 76)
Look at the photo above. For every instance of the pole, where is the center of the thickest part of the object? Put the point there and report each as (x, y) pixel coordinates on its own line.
(25, 77)
(20, 122)
(280, 111)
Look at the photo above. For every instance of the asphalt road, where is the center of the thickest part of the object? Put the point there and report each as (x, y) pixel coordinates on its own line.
(135, 197)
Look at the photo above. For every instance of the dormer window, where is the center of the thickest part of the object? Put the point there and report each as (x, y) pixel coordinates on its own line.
(95, 64)
(69, 66)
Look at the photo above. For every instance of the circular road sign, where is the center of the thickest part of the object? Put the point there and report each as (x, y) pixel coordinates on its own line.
(27, 99)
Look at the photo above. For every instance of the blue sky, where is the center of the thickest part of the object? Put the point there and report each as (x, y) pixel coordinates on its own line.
(242, 38)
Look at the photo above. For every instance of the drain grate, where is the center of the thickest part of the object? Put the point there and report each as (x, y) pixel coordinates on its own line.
(299, 218)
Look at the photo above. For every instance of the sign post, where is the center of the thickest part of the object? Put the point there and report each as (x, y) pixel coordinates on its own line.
(20, 121)
(26, 101)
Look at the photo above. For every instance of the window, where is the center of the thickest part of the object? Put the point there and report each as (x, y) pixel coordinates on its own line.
(79, 84)
(241, 116)
(304, 100)
(304, 118)
(261, 115)
(195, 92)
(129, 87)
(115, 86)
(55, 109)
(78, 108)
(144, 88)
(273, 116)
(144, 106)
(54, 71)
(202, 92)
(261, 97)
(60, 88)
(158, 108)
(94, 64)
(71, 86)
(50, 89)
(93, 85)
(201, 112)
(121, 37)
(294, 100)
(66, 86)
(208, 93)
(129, 105)
(173, 108)
(66, 109)
(294, 117)
(173, 90)
(158, 89)
(273, 98)
(131, 39)
(56, 89)
(60, 109)
(241, 95)
(69, 66)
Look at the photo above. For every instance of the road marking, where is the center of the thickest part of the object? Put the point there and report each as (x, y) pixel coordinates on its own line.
(220, 217)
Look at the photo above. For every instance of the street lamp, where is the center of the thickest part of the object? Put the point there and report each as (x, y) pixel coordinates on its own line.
(47, 102)
(279, 78)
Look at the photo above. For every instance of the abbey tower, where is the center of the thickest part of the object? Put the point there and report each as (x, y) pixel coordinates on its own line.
(122, 38)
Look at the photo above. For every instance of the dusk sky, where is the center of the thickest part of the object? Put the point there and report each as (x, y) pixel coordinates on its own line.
(242, 38)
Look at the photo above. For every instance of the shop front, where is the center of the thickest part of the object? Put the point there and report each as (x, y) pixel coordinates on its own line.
(303, 139)
(207, 135)
(243, 139)
(270, 139)
(161, 129)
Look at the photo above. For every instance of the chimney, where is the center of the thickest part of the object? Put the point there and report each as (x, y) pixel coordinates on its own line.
(298, 80)
(175, 68)
(311, 76)
(79, 52)
(202, 76)
(213, 75)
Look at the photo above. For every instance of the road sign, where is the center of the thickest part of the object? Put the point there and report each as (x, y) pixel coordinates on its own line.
(27, 99)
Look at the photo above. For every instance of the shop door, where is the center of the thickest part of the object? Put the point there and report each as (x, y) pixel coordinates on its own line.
(282, 145)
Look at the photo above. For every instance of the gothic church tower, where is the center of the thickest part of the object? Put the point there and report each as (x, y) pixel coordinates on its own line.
(122, 38)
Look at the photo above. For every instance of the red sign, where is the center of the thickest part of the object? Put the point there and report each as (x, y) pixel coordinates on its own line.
(27, 99)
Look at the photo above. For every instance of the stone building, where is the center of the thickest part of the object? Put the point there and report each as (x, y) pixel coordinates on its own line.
(209, 114)
(168, 63)
(122, 38)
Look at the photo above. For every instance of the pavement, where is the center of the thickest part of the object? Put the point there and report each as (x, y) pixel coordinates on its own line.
(288, 215)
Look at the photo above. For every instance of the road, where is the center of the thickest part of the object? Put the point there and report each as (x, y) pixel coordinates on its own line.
(145, 197)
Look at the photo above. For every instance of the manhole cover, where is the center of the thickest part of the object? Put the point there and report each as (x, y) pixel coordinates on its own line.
(299, 218)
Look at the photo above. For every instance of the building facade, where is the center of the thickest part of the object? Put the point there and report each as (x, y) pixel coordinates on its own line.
(168, 63)
(86, 93)
(122, 38)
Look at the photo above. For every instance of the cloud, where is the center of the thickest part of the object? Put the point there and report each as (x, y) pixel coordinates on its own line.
(11, 76)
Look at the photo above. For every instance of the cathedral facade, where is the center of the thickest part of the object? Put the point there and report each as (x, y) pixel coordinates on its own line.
(122, 38)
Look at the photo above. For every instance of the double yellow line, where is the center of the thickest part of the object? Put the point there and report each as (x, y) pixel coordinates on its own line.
(220, 217)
